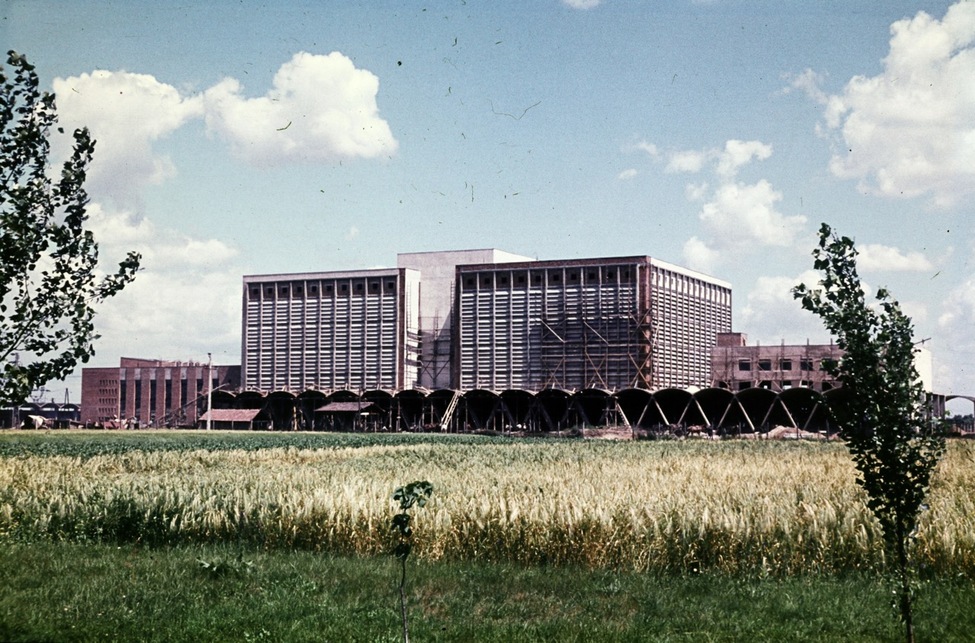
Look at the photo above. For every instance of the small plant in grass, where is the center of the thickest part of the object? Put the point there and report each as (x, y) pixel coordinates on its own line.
(886, 423)
(414, 494)
(220, 567)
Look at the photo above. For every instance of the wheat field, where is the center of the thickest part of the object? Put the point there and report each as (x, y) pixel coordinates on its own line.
(740, 507)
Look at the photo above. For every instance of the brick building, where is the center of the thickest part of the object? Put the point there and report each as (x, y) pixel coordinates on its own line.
(147, 392)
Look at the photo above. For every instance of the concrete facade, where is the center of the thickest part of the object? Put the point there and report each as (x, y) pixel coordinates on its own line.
(779, 367)
(148, 392)
(438, 270)
(607, 323)
(331, 330)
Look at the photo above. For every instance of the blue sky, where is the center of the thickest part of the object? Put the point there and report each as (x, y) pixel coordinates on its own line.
(245, 138)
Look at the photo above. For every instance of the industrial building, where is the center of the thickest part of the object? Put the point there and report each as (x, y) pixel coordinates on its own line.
(737, 366)
(611, 323)
(483, 319)
(331, 330)
(149, 392)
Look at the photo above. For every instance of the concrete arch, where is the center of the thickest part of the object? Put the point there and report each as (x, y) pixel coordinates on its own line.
(806, 408)
(595, 407)
(713, 405)
(407, 407)
(756, 403)
(553, 407)
(671, 405)
(481, 409)
(634, 404)
(280, 405)
(519, 407)
(308, 401)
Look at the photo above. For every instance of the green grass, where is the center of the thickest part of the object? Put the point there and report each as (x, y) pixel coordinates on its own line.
(88, 592)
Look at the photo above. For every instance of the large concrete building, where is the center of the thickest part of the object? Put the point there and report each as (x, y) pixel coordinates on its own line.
(483, 319)
(331, 330)
(608, 323)
(150, 392)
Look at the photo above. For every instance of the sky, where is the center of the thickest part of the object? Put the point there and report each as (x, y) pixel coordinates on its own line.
(241, 138)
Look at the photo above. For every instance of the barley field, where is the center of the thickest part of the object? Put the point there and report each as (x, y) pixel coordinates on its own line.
(681, 506)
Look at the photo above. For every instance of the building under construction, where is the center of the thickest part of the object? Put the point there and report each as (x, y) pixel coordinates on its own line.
(612, 323)
(151, 392)
(486, 319)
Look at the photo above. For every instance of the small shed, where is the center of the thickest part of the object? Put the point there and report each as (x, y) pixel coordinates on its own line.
(349, 416)
(232, 419)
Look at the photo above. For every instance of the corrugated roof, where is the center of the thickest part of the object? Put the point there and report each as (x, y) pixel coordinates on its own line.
(231, 415)
(347, 407)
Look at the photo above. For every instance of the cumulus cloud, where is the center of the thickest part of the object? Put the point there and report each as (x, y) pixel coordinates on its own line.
(955, 324)
(626, 175)
(771, 313)
(878, 258)
(126, 114)
(183, 281)
(736, 214)
(910, 131)
(319, 109)
(741, 213)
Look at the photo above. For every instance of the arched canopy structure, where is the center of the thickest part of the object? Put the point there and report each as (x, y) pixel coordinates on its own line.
(634, 404)
(553, 408)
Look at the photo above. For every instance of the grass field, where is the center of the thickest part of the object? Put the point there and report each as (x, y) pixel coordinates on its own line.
(634, 534)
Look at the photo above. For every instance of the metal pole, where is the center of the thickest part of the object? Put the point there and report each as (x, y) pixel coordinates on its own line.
(209, 391)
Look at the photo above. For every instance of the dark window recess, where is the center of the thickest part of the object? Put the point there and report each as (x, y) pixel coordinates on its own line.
(182, 391)
(152, 395)
(521, 279)
(504, 281)
(390, 285)
(805, 364)
(765, 365)
(785, 364)
(122, 395)
(169, 395)
(556, 278)
(138, 396)
(470, 281)
(744, 365)
(590, 275)
(374, 286)
(269, 292)
(314, 290)
(255, 292)
(574, 276)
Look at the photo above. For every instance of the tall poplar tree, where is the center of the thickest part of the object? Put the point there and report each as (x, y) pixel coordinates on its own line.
(885, 420)
(49, 282)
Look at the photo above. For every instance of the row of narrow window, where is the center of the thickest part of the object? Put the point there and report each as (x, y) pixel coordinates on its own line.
(805, 364)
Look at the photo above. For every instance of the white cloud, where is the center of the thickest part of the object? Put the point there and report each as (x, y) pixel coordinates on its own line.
(954, 366)
(740, 214)
(738, 153)
(686, 161)
(699, 256)
(581, 4)
(126, 113)
(810, 83)
(772, 314)
(696, 191)
(877, 258)
(320, 109)
(626, 175)
(184, 283)
(910, 131)
(736, 215)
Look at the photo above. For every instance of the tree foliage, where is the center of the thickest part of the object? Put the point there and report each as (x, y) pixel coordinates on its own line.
(49, 280)
(417, 494)
(885, 420)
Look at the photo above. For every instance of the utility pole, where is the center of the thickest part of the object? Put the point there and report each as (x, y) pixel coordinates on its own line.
(209, 391)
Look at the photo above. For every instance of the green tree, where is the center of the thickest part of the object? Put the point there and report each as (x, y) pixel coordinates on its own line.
(885, 420)
(416, 493)
(48, 275)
